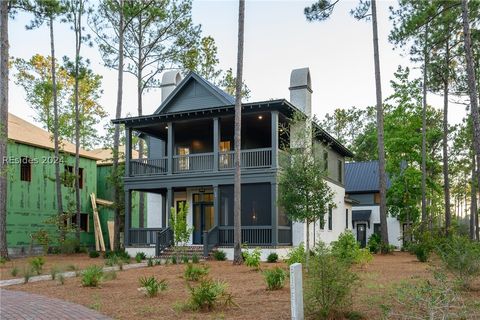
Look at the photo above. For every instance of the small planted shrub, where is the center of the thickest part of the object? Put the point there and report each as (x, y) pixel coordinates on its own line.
(140, 256)
(252, 259)
(36, 265)
(27, 274)
(150, 286)
(272, 257)
(150, 262)
(208, 295)
(364, 256)
(346, 248)
(185, 259)
(3, 260)
(421, 250)
(54, 271)
(174, 259)
(195, 258)
(275, 278)
(61, 278)
(110, 275)
(14, 271)
(120, 254)
(296, 255)
(219, 255)
(70, 246)
(194, 273)
(94, 254)
(92, 276)
(374, 242)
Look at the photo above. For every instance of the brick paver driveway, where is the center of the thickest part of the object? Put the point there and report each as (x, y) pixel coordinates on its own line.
(22, 305)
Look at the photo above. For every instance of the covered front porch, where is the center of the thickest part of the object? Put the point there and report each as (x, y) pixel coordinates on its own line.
(210, 215)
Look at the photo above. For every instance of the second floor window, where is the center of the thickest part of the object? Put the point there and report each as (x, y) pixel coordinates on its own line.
(69, 177)
(325, 161)
(330, 218)
(340, 171)
(25, 169)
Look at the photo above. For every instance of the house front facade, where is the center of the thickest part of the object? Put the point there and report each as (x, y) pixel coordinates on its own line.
(190, 160)
(362, 186)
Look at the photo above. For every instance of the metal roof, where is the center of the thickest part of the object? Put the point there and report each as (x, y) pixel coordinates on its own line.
(361, 215)
(362, 177)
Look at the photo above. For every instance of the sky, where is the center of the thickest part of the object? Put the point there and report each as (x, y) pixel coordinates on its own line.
(339, 53)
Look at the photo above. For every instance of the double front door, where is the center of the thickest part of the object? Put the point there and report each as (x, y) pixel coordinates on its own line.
(203, 215)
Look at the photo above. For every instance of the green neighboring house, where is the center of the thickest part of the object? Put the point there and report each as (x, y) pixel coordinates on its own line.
(31, 188)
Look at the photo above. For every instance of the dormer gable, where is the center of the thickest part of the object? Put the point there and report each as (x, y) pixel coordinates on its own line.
(194, 93)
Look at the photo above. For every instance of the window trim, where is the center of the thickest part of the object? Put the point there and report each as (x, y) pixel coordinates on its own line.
(25, 169)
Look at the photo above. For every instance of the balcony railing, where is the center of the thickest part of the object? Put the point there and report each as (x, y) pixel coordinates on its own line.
(143, 236)
(201, 162)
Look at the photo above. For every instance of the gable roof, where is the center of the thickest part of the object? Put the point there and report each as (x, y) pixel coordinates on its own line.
(362, 177)
(193, 93)
(105, 154)
(24, 132)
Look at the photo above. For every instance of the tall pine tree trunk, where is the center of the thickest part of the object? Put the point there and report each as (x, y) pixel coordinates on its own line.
(78, 44)
(141, 200)
(424, 131)
(446, 181)
(237, 210)
(380, 132)
(58, 181)
(471, 80)
(116, 136)
(473, 202)
(4, 54)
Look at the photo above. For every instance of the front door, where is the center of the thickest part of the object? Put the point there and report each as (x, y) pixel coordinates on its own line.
(203, 215)
(362, 234)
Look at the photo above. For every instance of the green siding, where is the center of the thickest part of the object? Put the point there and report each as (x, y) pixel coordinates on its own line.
(31, 204)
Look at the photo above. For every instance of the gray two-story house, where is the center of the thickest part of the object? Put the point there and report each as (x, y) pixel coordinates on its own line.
(190, 159)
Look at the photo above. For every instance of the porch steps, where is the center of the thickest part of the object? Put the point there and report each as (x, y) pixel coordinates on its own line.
(180, 252)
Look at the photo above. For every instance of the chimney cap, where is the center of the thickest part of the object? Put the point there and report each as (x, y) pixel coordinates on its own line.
(300, 79)
(171, 78)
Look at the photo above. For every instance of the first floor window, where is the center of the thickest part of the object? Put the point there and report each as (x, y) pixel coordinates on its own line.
(376, 228)
(346, 218)
(25, 169)
(83, 221)
(330, 218)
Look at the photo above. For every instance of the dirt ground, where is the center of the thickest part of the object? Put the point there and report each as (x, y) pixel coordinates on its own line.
(120, 298)
(60, 261)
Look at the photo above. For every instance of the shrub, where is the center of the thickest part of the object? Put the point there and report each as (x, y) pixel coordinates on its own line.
(252, 259)
(14, 271)
(61, 278)
(174, 259)
(421, 250)
(272, 257)
(346, 248)
(140, 256)
(36, 264)
(69, 246)
(150, 286)
(54, 271)
(461, 257)
(92, 276)
(275, 278)
(150, 262)
(185, 259)
(94, 254)
(3, 260)
(327, 274)
(209, 294)
(27, 273)
(219, 255)
(120, 254)
(374, 242)
(195, 258)
(193, 273)
(111, 275)
(364, 256)
(296, 255)
(387, 248)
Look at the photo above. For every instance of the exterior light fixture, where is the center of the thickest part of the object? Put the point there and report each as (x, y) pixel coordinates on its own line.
(260, 117)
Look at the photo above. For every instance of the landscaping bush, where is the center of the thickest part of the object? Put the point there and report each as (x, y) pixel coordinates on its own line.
(275, 278)
(174, 259)
(110, 275)
(364, 256)
(92, 276)
(421, 250)
(272, 257)
(346, 248)
(195, 258)
(219, 255)
(328, 284)
(252, 259)
(94, 254)
(150, 262)
(3, 260)
(374, 243)
(140, 256)
(185, 259)
(121, 254)
(70, 246)
(61, 279)
(150, 286)
(296, 255)
(461, 257)
(208, 295)
(27, 273)
(14, 271)
(387, 248)
(54, 270)
(36, 264)
(193, 273)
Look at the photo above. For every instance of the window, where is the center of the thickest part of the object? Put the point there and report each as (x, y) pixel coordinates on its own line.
(330, 222)
(340, 171)
(226, 158)
(83, 221)
(346, 218)
(80, 178)
(183, 160)
(322, 223)
(376, 228)
(25, 169)
(69, 177)
(376, 198)
(325, 161)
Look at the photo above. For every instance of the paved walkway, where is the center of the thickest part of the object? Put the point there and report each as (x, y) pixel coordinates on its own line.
(16, 305)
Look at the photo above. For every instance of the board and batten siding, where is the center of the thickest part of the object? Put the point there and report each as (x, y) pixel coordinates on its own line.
(334, 158)
(31, 204)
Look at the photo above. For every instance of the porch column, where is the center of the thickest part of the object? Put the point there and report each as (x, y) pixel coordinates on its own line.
(169, 203)
(128, 150)
(164, 210)
(274, 117)
(170, 148)
(216, 205)
(274, 213)
(216, 143)
(128, 210)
